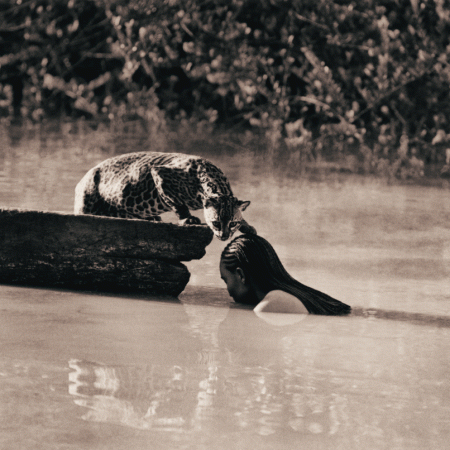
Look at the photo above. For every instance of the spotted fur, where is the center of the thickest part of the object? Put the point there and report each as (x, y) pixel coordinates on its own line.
(144, 185)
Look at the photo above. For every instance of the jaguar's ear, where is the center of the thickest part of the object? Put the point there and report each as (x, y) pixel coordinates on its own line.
(242, 205)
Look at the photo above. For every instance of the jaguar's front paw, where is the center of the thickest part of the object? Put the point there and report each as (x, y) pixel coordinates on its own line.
(246, 228)
(191, 220)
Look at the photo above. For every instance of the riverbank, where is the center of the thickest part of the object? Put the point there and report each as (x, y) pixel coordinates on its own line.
(272, 151)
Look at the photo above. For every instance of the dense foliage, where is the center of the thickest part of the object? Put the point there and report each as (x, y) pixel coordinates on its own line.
(325, 79)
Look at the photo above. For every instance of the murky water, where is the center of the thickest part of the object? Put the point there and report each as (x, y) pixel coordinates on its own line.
(89, 371)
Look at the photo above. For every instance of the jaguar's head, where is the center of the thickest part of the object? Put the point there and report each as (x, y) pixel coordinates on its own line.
(223, 215)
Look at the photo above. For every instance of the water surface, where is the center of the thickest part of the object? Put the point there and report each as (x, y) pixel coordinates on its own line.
(82, 370)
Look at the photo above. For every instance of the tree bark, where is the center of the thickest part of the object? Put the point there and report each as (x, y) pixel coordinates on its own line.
(97, 253)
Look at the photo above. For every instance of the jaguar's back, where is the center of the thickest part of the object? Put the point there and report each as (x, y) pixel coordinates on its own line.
(146, 184)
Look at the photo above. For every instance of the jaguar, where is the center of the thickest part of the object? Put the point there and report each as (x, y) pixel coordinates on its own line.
(143, 185)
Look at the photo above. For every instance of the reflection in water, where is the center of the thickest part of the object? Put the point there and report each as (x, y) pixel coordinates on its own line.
(155, 397)
(127, 396)
(292, 382)
(280, 319)
(204, 322)
(205, 316)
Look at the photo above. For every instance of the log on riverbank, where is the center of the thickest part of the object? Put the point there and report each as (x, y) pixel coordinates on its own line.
(97, 253)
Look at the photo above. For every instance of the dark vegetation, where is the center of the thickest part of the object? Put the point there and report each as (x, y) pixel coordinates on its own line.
(364, 82)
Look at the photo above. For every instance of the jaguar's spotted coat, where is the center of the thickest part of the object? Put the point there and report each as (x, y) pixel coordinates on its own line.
(144, 184)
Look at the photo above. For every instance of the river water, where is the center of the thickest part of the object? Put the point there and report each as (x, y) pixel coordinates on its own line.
(82, 370)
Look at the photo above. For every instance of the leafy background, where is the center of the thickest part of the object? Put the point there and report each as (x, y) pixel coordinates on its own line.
(364, 83)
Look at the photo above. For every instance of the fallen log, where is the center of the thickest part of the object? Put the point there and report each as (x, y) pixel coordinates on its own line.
(97, 253)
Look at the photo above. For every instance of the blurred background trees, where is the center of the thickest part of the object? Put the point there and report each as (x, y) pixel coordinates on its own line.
(363, 80)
